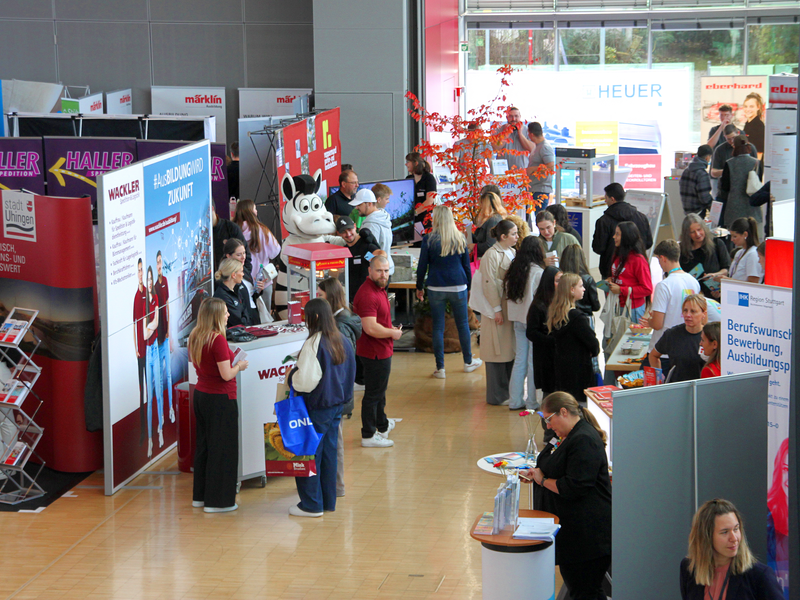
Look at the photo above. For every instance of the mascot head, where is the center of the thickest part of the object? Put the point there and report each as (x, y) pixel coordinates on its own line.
(304, 213)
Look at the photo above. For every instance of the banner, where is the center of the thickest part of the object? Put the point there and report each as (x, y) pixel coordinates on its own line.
(21, 164)
(645, 171)
(183, 101)
(46, 263)
(756, 335)
(119, 102)
(264, 102)
(731, 90)
(73, 164)
(2, 113)
(155, 225)
(219, 180)
(309, 145)
(782, 91)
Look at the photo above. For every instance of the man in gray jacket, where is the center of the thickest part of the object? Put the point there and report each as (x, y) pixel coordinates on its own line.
(376, 220)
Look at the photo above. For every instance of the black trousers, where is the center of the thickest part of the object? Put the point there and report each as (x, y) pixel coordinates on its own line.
(585, 579)
(216, 458)
(141, 367)
(373, 405)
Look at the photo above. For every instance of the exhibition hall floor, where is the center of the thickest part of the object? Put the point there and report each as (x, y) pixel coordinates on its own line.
(400, 532)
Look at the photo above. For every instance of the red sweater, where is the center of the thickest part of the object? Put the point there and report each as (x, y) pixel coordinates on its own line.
(635, 274)
(710, 370)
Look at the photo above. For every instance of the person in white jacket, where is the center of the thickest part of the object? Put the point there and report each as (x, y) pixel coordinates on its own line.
(376, 220)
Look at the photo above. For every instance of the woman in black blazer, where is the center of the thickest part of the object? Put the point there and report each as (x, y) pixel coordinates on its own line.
(574, 474)
(575, 339)
(536, 331)
(720, 561)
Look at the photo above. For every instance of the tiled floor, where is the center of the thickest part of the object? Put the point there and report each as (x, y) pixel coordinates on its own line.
(400, 532)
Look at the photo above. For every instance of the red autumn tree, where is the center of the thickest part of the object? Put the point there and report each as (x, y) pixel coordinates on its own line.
(468, 159)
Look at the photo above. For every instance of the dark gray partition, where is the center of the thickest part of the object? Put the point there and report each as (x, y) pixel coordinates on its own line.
(676, 446)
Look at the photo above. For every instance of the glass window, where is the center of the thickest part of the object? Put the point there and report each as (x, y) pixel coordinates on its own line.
(579, 47)
(621, 46)
(772, 49)
(703, 47)
(626, 46)
(522, 48)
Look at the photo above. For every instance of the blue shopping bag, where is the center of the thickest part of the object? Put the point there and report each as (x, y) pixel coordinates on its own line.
(299, 435)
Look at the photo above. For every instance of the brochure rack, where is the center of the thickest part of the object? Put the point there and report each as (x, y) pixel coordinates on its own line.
(21, 434)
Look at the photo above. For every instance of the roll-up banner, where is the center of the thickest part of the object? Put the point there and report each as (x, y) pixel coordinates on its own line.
(46, 263)
(73, 164)
(308, 145)
(119, 102)
(756, 335)
(263, 102)
(2, 113)
(22, 164)
(733, 91)
(183, 101)
(155, 233)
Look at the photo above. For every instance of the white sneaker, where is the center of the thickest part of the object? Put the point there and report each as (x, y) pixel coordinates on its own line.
(392, 425)
(439, 374)
(149, 448)
(198, 504)
(171, 415)
(358, 387)
(212, 509)
(376, 441)
(296, 511)
(160, 439)
(469, 368)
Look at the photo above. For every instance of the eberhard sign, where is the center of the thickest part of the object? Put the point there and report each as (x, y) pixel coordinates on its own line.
(194, 101)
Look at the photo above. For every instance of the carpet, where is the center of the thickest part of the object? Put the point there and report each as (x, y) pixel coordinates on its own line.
(54, 483)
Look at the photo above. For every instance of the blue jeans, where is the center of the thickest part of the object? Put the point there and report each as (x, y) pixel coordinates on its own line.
(638, 313)
(458, 301)
(154, 384)
(523, 368)
(166, 370)
(318, 493)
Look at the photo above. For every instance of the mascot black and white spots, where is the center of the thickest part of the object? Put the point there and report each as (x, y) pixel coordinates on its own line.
(306, 220)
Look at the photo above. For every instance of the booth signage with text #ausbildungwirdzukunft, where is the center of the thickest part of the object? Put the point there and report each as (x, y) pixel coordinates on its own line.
(184, 101)
(155, 225)
(757, 335)
(119, 102)
(22, 164)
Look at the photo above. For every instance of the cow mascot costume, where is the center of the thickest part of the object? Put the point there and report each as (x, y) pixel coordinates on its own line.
(306, 221)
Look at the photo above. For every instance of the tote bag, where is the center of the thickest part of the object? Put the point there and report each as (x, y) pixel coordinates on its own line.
(753, 182)
(619, 323)
(299, 435)
(474, 261)
(477, 300)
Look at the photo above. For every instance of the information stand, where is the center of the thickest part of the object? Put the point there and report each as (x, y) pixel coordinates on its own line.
(651, 205)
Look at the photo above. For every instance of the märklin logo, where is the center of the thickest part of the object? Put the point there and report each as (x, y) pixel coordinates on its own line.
(19, 216)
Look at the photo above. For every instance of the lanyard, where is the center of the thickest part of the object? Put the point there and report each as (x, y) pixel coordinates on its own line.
(724, 585)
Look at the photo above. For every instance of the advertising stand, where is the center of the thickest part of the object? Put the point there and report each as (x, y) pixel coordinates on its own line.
(192, 101)
(155, 270)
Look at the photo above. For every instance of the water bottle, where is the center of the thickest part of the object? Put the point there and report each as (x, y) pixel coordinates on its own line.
(262, 274)
(232, 207)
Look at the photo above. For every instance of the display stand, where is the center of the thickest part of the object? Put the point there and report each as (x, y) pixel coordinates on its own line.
(21, 434)
(317, 259)
(651, 205)
(584, 166)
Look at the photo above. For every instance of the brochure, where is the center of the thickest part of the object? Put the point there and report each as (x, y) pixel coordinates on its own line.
(13, 392)
(536, 529)
(16, 454)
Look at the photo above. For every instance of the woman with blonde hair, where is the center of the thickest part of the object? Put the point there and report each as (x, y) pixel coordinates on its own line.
(491, 212)
(232, 292)
(754, 128)
(720, 563)
(702, 255)
(262, 245)
(573, 475)
(443, 258)
(682, 342)
(576, 343)
(216, 459)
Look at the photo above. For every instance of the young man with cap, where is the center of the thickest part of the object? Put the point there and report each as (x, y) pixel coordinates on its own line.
(375, 220)
(363, 247)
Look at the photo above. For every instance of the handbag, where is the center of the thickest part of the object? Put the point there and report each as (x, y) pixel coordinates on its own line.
(474, 261)
(753, 182)
(299, 435)
(477, 300)
(620, 322)
(238, 335)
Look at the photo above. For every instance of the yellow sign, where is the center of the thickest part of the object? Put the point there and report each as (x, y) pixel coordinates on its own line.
(601, 135)
(59, 173)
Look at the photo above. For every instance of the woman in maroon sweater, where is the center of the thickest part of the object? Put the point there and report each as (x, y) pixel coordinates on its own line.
(630, 269)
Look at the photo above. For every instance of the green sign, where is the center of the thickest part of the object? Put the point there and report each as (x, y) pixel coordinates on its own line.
(70, 106)
(465, 46)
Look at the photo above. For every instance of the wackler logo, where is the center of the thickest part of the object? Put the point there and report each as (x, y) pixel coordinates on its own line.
(739, 298)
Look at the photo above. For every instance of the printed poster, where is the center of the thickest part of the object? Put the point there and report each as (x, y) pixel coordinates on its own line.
(22, 164)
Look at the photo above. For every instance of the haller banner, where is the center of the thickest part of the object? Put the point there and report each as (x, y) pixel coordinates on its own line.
(22, 164)
(185, 101)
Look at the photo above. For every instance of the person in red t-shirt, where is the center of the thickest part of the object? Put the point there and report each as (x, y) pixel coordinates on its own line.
(630, 269)
(140, 344)
(375, 348)
(709, 344)
(154, 386)
(216, 459)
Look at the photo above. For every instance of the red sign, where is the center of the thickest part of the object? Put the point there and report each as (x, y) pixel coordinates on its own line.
(321, 265)
(645, 171)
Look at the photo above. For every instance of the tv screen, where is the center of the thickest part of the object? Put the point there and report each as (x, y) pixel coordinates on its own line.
(400, 208)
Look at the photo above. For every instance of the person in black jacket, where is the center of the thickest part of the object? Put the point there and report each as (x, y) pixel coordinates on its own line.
(222, 230)
(490, 214)
(573, 261)
(720, 563)
(324, 375)
(618, 211)
(573, 473)
(230, 290)
(576, 343)
(338, 203)
(363, 246)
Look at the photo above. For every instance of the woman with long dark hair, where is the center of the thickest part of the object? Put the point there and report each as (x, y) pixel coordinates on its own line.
(264, 247)
(720, 563)
(520, 284)
(216, 459)
(711, 345)
(562, 221)
(576, 343)
(630, 271)
(745, 265)
(573, 475)
(573, 261)
(324, 375)
(424, 192)
(542, 343)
